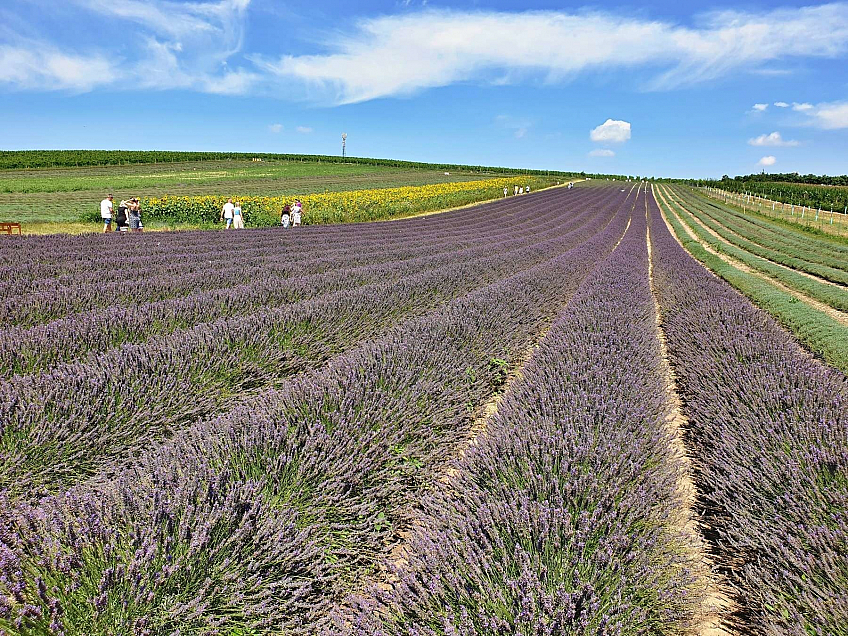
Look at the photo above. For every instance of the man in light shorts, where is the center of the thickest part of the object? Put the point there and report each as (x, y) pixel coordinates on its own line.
(227, 212)
(106, 213)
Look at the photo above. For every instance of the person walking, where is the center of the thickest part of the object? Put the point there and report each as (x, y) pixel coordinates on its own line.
(527, 189)
(238, 217)
(505, 191)
(227, 212)
(106, 212)
(134, 217)
(515, 191)
(297, 210)
(285, 215)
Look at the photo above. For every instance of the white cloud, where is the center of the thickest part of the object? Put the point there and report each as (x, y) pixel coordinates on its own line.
(767, 161)
(801, 107)
(304, 130)
(602, 152)
(38, 66)
(830, 116)
(440, 47)
(759, 107)
(275, 128)
(611, 131)
(781, 104)
(772, 139)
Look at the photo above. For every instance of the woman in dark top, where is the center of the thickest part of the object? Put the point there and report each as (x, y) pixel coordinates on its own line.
(121, 217)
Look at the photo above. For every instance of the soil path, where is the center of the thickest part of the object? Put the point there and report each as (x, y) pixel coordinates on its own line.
(716, 604)
(835, 314)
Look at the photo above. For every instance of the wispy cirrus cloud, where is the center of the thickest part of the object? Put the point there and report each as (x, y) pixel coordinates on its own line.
(438, 48)
(42, 67)
(602, 152)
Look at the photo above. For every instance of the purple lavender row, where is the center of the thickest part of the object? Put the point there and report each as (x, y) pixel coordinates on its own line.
(168, 276)
(769, 438)
(63, 424)
(36, 349)
(257, 522)
(37, 262)
(560, 518)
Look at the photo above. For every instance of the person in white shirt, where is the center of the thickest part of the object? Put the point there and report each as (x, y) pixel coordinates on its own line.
(505, 190)
(227, 212)
(106, 213)
(296, 212)
(527, 189)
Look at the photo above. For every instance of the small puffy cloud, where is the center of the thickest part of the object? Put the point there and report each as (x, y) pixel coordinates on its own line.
(759, 107)
(773, 139)
(275, 128)
(305, 130)
(781, 104)
(611, 131)
(767, 161)
(602, 152)
(801, 107)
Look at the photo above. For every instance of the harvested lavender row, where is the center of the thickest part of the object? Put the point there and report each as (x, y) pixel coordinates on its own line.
(561, 519)
(58, 426)
(41, 263)
(27, 350)
(256, 522)
(769, 438)
(167, 276)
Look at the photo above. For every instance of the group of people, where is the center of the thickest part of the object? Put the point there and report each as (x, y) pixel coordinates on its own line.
(291, 214)
(517, 190)
(128, 217)
(233, 214)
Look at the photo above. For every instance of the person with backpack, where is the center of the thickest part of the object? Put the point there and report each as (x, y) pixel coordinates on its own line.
(121, 217)
(285, 216)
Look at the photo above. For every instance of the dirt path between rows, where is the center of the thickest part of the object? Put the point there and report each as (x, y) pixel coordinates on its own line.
(679, 201)
(830, 312)
(716, 604)
(397, 559)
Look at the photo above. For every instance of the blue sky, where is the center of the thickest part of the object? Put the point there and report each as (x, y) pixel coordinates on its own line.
(660, 89)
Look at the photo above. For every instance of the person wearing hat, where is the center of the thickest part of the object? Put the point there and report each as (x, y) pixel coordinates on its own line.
(121, 217)
(106, 212)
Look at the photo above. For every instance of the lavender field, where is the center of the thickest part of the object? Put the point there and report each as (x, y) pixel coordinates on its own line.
(479, 422)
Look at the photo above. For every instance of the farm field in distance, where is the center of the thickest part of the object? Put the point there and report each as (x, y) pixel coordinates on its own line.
(537, 415)
(57, 199)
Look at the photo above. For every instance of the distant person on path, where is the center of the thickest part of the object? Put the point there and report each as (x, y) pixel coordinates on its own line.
(285, 215)
(297, 210)
(227, 212)
(505, 190)
(521, 190)
(238, 217)
(515, 191)
(135, 215)
(121, 217)
(527, 189)
(106, 212)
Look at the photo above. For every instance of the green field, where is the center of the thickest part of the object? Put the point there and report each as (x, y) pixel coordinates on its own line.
(62, 195)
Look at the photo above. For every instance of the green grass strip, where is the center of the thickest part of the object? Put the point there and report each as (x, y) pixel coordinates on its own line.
(818, 332)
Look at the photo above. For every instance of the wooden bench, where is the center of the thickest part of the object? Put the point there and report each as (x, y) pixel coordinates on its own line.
(10, 228)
